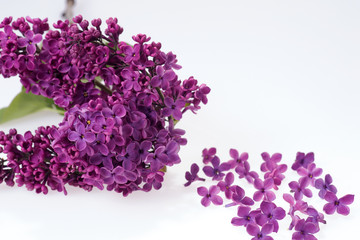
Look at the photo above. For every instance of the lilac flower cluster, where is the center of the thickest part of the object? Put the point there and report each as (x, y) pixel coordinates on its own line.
(262, 221)
(121, 105)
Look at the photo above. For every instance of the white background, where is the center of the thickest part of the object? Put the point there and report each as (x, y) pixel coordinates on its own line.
(284, 78)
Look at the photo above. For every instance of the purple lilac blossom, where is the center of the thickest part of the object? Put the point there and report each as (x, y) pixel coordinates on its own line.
(338, 205)
(217, 169)
(245, 216)
(262, 234)
(116, 123)
(192, 176)
(305, 230)
(325, 186)
(210, 196)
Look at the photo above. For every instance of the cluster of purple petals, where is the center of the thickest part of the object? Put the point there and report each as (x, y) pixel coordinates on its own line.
(260, 222)
(305, 228)
(121, 105)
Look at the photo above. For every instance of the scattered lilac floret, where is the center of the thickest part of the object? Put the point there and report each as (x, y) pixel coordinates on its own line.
(305, 230)
(245, 216)
(225, 186)
(244, 172)
(325, 186)
(237, 159)
(300, 189)
(208, 154)
(310, 173)
(264, 190)
(192, 176)
(270, 214)
(338, 205)
(217, 169)
(239, 197)
(210, 196)
(303, 160)
(262, 234)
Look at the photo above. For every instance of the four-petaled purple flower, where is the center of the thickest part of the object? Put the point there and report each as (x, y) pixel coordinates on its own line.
(264, 190)
(192, 176)
(225, 186)
(303, 160)
(305, 230)
(173, 108)
(208, 154)
(270, 214)
(300, 189)
(216, 172)
(325, 186)
(29, 41)
(237, 159)
(162, 77)
(81, 137)
(339, 205)
(246, 216)
(210, 196)
(310, 173)
(262, 234)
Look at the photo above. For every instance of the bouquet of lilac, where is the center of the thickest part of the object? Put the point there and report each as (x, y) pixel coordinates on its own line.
(120, 104)
(262, 221)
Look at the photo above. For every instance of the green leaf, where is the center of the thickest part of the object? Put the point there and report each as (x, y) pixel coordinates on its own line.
(24, 104)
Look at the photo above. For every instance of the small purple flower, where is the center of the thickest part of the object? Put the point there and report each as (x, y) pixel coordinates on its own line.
(208, 154)
(245, 216)
(118, 175)
(300, 189)
(339, 205)
(173, 108)
(237, 160)
(303, 160)
(131, 80)
(262, 234)
(305, 230)
(264, 190)
(29, 41)
(99, 144)
(81, 137)
(216, 172)
(239, 197)
(210, 196)
(244, 172)
(270, 161)
(192, 176)
(270, 214)
(162, 77)
(325, 186)
(311, 173)
(225, 186)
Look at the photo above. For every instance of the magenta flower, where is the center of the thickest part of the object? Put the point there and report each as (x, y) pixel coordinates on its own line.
(210, 196)
(339, 205)
(225, 186)
(264, 190)
(325, 186)
(303, 160)
(192, 176)
(162, 77)
(270, 214)
(305, 230)
(244, 172)
(239, 197)
(245, 216)
(300, 189)
(310, 173)
(29, 41)
(208, 154)
(262, 234)
(173, 108)
(81, 137)
(216, 172)
(237, 160)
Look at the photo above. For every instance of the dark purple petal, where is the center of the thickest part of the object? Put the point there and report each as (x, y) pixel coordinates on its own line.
(252, 229)
(217, 200)
(243, 211)
(329, 208)
(310, 227)
(267, 228)
(343, 210)
(279, 213)
(202, 191)
(209, 171)
(239, 221)
(347, 199)
(330, 197)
